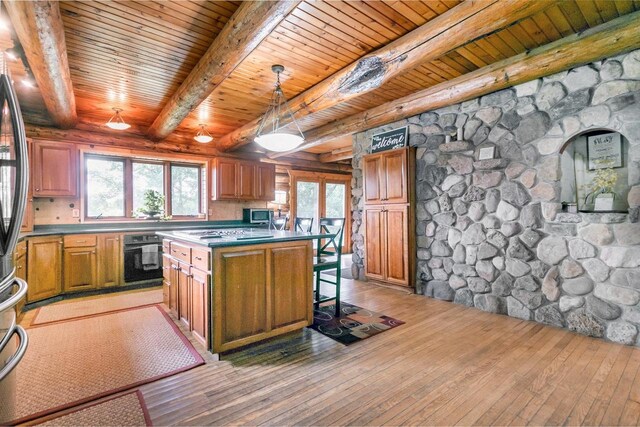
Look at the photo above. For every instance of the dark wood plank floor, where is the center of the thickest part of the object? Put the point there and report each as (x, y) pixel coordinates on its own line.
(448, 365)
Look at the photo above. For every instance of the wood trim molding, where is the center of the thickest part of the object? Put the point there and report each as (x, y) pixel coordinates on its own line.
(247, 28)
(446, 32)
(612, 38)
(39, 27)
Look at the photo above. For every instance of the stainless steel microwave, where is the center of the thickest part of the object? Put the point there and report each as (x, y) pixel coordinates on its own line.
(256, 216)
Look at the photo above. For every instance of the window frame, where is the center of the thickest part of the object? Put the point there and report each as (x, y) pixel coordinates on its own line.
(128, 186)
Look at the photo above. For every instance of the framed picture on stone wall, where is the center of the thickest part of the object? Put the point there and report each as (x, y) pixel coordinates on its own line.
(604, 151)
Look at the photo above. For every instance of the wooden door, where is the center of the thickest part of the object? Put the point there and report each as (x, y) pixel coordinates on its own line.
(246, 180)
(241, 304)
(395, 176)
(397, 244)
(200, 306)
(375, 251)
(265, 185)
(225, 179)
(166, 279)
(54, 169)
(184, 294)
(110, 263)
(44, 267)
(80, 272)
(373, 179)
(173, 287)
(291, 275)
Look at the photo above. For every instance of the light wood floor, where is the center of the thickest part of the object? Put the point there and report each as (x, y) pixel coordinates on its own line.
(447, 365)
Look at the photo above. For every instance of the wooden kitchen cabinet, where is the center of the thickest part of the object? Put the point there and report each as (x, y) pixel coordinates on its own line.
(374, 242)
(55, 169)
(110, 260)
(44, 267)
(233, 179)
(199, 303)
(80, 269)
(386, 177)
(20, 263)
(184, 294)
(173, 286)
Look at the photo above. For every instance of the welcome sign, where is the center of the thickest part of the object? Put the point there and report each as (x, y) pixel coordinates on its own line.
(390, 140)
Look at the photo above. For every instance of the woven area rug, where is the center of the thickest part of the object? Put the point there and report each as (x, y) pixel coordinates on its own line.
(124, 410)
(107, 304)
(354, 324)
(77, 361)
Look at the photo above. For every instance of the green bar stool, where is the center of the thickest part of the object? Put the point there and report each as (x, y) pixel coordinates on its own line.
(328, 257)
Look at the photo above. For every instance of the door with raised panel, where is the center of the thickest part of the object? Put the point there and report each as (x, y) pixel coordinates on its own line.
(395, 176)
(375, 252)
(397, 246)
(173, 286)
(55, 169)
(110, 260)
(291, 272)
(184, 294)
(80, 272)
(44, 266)
(265, 186)
(246, 180)
(199, 321)
(225, 179)
(373, 179)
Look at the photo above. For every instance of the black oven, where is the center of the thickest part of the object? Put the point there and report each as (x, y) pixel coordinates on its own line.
(142, 257)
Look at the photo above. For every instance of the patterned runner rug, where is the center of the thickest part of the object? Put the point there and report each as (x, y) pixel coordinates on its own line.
(77, 361)
(354, 324)
(83, 308)
(124, 410)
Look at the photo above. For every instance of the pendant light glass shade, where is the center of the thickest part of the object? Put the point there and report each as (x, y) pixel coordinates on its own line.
(278, 130)
(203, 136)
(117, 122)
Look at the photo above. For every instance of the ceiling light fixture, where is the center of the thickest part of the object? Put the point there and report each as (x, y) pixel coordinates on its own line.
(117, 122)
(203, 136)
(273, 133)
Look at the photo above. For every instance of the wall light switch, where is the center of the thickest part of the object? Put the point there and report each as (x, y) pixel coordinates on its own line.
(75, 213)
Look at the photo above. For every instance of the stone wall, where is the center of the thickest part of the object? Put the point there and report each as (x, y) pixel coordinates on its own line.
(491, 234)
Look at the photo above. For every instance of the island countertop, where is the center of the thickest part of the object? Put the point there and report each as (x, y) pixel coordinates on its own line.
(250, 236)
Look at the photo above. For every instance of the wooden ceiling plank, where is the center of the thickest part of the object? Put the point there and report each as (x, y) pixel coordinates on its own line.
(293, 32)
(490, 49)
(386, 14)
(466, 53)
(523, 36)
(614, 37)
(369, 18)
(590, 12)
(336, 155)
(559, 20)
(549, 29)
(607, 9)
(574, 16)
(513, 41)
(427, 42)
(247, 28)
(305, 29)
(534, 30)
(623, 6)
(40, 30)
(404, 9)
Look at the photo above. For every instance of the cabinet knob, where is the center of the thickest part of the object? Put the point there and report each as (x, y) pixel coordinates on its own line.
(117, 239)
(37, 189)
(93, 252)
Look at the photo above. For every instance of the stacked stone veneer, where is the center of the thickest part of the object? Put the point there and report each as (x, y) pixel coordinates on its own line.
(491, 234)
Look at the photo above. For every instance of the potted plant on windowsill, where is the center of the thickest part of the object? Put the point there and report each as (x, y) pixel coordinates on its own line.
(153, 207)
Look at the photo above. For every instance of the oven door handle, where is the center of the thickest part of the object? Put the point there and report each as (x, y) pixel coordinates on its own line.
(19, 354)
(15, 298)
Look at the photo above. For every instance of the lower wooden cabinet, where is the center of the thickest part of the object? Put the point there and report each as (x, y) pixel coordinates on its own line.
(80, 269)
(44, 267)
(184, 295)
(110, 260)
(21, 268)
(388, 244)
(200, 307)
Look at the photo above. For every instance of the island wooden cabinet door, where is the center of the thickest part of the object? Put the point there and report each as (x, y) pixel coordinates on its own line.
(184, 294)
(395, 176)
(173, 287)
(54, 169)
(397, 245)
(373, 179)
(374, 242)
(199, 301)
(44, 266)
(80, 272)
(166, 278)
(110, 269)
(289, 278)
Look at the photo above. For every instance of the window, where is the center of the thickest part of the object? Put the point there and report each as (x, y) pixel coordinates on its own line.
(115, 186)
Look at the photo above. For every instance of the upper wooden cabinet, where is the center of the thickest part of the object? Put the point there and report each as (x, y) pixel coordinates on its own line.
(387, 177)
(55, 169)
(233, 179)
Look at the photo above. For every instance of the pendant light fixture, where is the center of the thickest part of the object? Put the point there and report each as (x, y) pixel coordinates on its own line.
(203, 136)
(117, 122)
(273, 132)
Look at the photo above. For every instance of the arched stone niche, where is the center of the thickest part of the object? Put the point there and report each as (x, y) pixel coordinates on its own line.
(586, 156)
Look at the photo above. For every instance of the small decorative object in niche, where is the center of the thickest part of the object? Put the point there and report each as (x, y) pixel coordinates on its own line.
(604, 151)
(390, 140)
(486, 153)
(602, 185)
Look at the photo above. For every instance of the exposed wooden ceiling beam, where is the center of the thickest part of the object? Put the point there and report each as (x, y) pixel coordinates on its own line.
(245, 30)
(39, 28)
(337, 155)
(454, 28)
(614, 37)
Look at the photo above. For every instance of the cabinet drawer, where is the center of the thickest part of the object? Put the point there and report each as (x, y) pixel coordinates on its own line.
(166, 246)
(21, 249)
(79, 240)
(181, 252)
(200, 258)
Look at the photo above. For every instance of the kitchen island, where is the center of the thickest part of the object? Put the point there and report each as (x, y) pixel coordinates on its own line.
(235, 287)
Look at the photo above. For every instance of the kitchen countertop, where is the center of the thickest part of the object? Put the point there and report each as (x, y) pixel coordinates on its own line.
(131, 227)
(258, 236)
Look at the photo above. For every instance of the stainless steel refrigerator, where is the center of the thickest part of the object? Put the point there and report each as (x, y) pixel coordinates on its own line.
(14, 173)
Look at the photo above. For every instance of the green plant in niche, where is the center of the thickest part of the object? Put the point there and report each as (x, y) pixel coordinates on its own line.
(153, 206)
